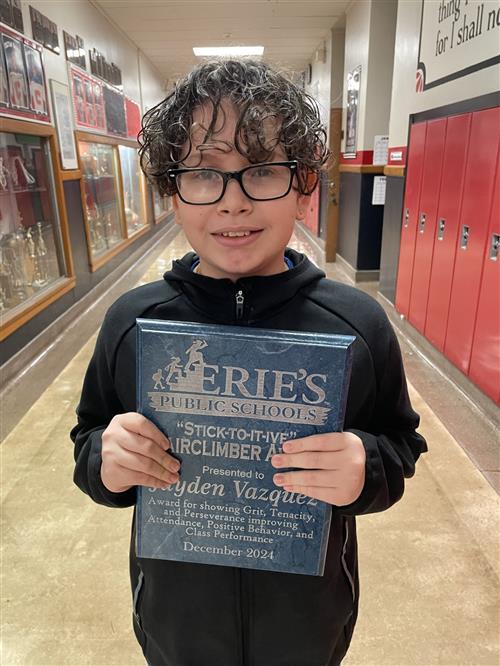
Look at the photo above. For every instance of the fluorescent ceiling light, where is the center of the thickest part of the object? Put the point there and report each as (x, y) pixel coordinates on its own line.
(227, 50)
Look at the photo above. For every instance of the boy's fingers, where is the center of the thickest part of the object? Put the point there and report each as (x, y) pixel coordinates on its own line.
(148, 467)
(148, 449)
(139, 424)
(309, 460)
(145, 479)
(332, 441)
(316, 479)
(328, 495)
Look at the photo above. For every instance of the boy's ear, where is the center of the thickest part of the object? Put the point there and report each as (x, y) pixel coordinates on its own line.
(302, 205)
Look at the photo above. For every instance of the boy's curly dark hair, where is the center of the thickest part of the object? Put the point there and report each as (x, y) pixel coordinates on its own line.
(263, 98)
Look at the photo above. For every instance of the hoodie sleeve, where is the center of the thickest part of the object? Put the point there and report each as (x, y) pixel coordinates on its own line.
(391, 443)
(99, 403)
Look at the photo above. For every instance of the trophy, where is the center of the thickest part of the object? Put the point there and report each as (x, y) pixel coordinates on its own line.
(39, 259)
(4, 172)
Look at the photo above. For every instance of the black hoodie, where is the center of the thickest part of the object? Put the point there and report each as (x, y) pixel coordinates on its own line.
(202, 615)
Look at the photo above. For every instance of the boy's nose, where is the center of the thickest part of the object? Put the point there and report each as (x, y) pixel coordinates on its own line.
(234, 201)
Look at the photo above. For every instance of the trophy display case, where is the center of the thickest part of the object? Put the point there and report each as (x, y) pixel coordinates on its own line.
(101, 197)
(133, 189)
(33, 263)
(112, 195)
(161, 205)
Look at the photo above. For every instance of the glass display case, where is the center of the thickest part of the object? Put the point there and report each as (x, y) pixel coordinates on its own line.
(32, 259)
(113, 195)
(100, 195)
(133, 189)
(161, 205)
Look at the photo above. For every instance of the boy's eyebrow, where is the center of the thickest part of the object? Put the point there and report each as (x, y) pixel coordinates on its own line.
(210, 151)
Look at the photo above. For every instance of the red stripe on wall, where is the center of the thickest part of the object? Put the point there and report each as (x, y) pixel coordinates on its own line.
(362, 157)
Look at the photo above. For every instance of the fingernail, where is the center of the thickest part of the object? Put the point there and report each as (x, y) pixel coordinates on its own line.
(287, 446)
(277, 461)
(278, 479)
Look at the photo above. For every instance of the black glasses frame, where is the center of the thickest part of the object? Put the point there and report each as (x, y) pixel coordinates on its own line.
(230, 175)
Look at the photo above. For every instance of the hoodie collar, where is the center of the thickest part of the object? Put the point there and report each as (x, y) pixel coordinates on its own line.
(262, 295)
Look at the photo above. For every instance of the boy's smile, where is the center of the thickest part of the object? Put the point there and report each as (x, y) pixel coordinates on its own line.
(235, 237)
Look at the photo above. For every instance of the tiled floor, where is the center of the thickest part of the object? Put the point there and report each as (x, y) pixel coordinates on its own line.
(430, 565)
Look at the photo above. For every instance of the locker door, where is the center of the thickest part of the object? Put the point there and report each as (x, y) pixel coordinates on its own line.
(446, 231)
(485, 359)
(424, 243)
(311, 219)
(410, 214)
(474, 220)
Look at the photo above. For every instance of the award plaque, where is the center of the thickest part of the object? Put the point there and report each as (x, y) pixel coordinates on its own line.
(227, 398)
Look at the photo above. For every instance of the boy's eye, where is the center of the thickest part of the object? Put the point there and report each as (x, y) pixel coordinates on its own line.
(207, 176)
(262, 172)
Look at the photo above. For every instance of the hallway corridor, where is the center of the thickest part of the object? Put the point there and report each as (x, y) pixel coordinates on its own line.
(429, 566)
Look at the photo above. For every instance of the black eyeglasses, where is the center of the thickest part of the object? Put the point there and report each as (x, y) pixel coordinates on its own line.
(259, 182)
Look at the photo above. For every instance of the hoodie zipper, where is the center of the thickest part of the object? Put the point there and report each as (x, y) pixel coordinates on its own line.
(344, 563)
(240, 300)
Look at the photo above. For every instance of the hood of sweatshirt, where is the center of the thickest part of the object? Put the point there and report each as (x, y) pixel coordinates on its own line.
(249, 299)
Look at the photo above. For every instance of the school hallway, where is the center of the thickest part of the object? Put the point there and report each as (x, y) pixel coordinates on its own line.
(429, 566)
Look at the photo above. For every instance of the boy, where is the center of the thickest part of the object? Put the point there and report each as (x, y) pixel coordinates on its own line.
(239, 147)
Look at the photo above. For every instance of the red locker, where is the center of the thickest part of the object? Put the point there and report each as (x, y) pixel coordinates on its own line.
(424, 243)
(447, 228)
(474, 221)
(410, 216)
(311, 219)
(485, 358)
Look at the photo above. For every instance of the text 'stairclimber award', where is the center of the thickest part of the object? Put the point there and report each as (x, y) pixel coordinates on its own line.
(227, 398)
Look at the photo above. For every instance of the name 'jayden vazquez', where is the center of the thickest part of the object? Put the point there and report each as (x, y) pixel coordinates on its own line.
(242, 490)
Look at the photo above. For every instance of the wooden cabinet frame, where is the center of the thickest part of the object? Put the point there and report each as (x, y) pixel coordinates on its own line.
(97, 262)
(36, 304)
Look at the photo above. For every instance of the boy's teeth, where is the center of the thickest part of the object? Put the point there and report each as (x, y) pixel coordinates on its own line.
(232, 234)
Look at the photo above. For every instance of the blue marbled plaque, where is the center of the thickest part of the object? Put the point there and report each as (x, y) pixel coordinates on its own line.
(227, 398)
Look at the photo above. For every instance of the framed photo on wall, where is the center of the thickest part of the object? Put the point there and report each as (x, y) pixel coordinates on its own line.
(38, 99)
(4, 81)
(18, 85)
(61, 100)
(353, 87)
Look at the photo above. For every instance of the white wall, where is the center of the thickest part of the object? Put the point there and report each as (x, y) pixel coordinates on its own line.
(337, 80)
(369, 42)
(320, 84)
(380, 66)
(79, 17)
(357, 33)
(405, 100)
(153, 87)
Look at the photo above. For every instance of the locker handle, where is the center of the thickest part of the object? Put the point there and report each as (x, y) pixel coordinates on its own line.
(464, 239)
(495, 246)
(406, 217)
(441, 226)
(421, 223)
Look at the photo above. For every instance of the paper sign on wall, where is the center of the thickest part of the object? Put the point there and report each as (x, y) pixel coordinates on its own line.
(380, 149)
(378, 196)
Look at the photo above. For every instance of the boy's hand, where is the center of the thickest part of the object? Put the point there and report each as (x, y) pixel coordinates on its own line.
(332, 467)
(134, 453)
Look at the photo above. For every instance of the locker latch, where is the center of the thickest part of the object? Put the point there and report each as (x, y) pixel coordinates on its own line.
(495, 246)
(464, 239)
(421, 223)
(407, 217)
(441, 225)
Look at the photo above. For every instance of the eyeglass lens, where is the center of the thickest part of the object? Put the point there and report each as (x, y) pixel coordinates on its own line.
(260, 182)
